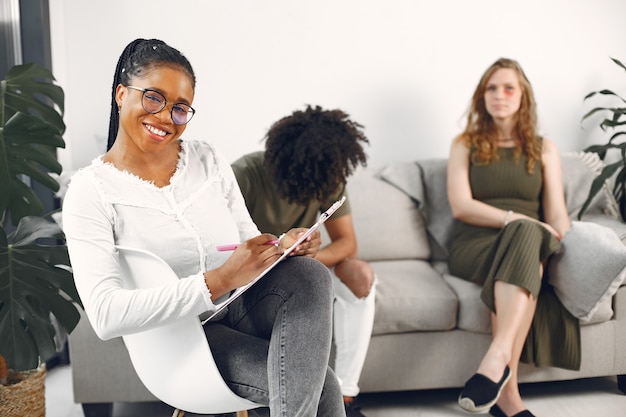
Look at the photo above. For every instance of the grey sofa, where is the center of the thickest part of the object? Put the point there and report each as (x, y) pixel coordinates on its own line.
(430, 329)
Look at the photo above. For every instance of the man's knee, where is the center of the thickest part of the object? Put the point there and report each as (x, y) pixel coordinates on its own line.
(357, 275)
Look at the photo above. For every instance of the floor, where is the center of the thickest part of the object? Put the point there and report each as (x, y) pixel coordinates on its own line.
(582, 398)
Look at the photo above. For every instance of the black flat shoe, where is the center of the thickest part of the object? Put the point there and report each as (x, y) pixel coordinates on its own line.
(496, 411)
(481, 393)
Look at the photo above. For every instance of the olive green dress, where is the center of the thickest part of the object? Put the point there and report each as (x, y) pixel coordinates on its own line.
(514, 253)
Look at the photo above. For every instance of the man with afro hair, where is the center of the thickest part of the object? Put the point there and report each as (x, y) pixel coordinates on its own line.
(304, 169)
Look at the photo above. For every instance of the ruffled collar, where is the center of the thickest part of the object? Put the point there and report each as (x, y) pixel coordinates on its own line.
(183, 155)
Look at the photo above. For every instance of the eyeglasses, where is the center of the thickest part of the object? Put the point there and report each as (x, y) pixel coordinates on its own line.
(153, 102)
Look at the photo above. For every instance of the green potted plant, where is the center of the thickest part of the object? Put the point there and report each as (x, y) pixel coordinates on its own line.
(615, 121)
(35, 275)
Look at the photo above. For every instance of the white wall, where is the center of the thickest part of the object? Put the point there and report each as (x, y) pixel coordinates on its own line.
(404, 69)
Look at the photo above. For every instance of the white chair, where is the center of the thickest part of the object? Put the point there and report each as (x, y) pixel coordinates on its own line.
(174, 361)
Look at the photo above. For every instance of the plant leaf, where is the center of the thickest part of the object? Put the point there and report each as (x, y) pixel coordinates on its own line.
(604, 92)
(30, 90)
(27, 204)
(594, 111)
(617, 61)
(35, 281)
(602, 150)
(31, 129)
(598, 183)
(612, 139)
(611, 123)
(615, 121)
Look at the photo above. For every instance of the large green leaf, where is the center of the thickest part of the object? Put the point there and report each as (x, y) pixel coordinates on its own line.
(29, 89)
(35, 275)
(35, 281)
(31, 129)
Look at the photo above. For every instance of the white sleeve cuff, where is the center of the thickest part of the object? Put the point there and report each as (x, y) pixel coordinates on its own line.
(205, 291)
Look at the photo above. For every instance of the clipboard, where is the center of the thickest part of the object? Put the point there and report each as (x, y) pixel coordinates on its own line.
(320, 221)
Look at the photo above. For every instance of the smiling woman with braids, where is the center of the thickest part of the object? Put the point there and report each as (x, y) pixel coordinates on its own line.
(308, 158)
(179, 199)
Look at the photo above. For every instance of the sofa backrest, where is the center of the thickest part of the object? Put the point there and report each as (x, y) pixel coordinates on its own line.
(401, 210)
(387, 222)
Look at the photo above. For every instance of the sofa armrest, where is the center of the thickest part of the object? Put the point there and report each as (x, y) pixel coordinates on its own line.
(619, 304)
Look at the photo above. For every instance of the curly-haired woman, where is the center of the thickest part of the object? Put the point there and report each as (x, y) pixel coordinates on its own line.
(505, 189)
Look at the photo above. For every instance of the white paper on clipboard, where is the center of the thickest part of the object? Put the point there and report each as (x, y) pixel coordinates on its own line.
(323, 217)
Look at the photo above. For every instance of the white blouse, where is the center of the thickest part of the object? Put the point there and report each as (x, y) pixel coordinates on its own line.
(183, 222)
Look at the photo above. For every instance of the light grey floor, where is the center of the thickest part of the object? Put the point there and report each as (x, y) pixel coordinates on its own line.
(583, 398)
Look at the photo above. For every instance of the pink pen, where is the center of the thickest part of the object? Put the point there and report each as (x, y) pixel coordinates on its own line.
(224, 248)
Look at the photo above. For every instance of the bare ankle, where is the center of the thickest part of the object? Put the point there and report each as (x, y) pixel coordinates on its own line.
(493, 364)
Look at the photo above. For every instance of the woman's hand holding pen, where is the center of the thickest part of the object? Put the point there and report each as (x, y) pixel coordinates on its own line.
(247, 261)
(309, 247)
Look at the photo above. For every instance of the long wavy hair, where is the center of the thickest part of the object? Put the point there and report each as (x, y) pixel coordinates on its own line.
(480, 131)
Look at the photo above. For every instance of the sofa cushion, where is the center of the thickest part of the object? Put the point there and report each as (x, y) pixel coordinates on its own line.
(604, 312)
(589, 268)
(412, 296)
(406, 177)
(436, 208)
(387, 223)
(427, 187)
(579, 170)
(474, 315)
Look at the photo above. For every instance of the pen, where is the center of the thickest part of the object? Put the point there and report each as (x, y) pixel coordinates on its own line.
(223, 248)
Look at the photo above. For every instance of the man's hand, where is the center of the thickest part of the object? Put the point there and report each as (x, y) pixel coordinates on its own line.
(309, 247)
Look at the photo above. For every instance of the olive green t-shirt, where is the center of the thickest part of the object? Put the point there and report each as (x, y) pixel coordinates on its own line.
(272, 213)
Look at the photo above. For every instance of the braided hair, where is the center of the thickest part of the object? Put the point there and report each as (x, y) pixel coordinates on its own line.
(310, 154)
(138, 57)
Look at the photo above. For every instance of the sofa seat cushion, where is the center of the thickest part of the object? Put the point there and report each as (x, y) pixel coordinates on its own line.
(412, 296)
(474, 316)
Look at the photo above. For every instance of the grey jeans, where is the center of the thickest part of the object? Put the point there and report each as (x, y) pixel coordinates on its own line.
(273, 345)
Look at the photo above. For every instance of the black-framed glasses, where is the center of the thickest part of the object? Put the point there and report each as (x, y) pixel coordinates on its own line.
(153, 102)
